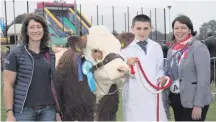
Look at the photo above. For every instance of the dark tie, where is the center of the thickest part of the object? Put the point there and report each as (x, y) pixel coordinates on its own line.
(143, 44)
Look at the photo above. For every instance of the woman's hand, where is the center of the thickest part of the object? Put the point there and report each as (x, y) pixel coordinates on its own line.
(196, 113)
(10, 116)
(163, 80)
(58, 117)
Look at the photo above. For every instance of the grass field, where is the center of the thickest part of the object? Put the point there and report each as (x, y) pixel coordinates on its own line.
(211, 116)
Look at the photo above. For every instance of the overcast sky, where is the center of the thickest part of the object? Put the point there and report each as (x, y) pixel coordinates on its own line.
(198, 10)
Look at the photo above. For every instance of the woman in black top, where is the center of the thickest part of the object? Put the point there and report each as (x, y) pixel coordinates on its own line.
(29, 89)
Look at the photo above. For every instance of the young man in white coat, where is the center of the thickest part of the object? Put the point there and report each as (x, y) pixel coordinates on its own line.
(139, 97)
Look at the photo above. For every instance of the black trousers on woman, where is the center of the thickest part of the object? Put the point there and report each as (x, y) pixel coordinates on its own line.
(184, 114)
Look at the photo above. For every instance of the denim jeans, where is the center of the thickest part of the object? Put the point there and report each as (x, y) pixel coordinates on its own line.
(47, 113)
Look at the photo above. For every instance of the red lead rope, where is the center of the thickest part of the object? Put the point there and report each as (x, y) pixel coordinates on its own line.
(158, 87)
(152, 85)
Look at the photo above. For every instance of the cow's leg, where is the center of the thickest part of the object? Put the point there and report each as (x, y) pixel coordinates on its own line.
(108, 106)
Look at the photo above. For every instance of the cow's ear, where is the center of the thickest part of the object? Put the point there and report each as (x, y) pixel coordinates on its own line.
(84, 40)
(70, 42)
(130, 40)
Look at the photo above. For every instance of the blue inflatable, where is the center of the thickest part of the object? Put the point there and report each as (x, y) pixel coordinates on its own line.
(2, 26)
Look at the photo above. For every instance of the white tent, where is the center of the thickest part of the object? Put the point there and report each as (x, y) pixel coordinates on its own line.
(15, 29)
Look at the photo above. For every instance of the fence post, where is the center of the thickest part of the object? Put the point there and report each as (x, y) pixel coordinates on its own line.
(6, 27)
(113, 17)
(156, 24)
(75, 10)
(27, 6)
(97, 16)
(142, 10)
(102, 19)
(125, 18)
(62, 17)
(43, 10)
(128, 19)
(15, 39)
(91, 20)
(164, 24)
(80, 20)
(151, 18)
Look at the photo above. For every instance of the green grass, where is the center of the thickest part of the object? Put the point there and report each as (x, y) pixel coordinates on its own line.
(3, 47)
(211, 116)
(3, 115)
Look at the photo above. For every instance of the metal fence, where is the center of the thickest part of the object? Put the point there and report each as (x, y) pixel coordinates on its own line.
(213, 74)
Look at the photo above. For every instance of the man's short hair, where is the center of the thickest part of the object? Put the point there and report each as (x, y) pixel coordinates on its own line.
(141, 18)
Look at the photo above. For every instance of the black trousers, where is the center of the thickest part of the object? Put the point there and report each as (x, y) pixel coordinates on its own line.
(184, 114)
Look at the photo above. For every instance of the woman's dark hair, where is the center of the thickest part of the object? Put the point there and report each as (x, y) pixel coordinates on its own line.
(39, 19)
(184, 20)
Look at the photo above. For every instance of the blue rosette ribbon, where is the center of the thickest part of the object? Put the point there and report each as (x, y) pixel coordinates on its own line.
(86, 70)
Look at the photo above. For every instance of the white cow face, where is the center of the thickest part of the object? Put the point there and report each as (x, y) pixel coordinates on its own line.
(100, 42)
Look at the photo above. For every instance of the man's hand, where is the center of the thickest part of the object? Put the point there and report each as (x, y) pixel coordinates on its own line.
(196, 113)
(123, 70)
(58, 117)
(10, 116)
(162, 80)
(55, 49)
(131, 61)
